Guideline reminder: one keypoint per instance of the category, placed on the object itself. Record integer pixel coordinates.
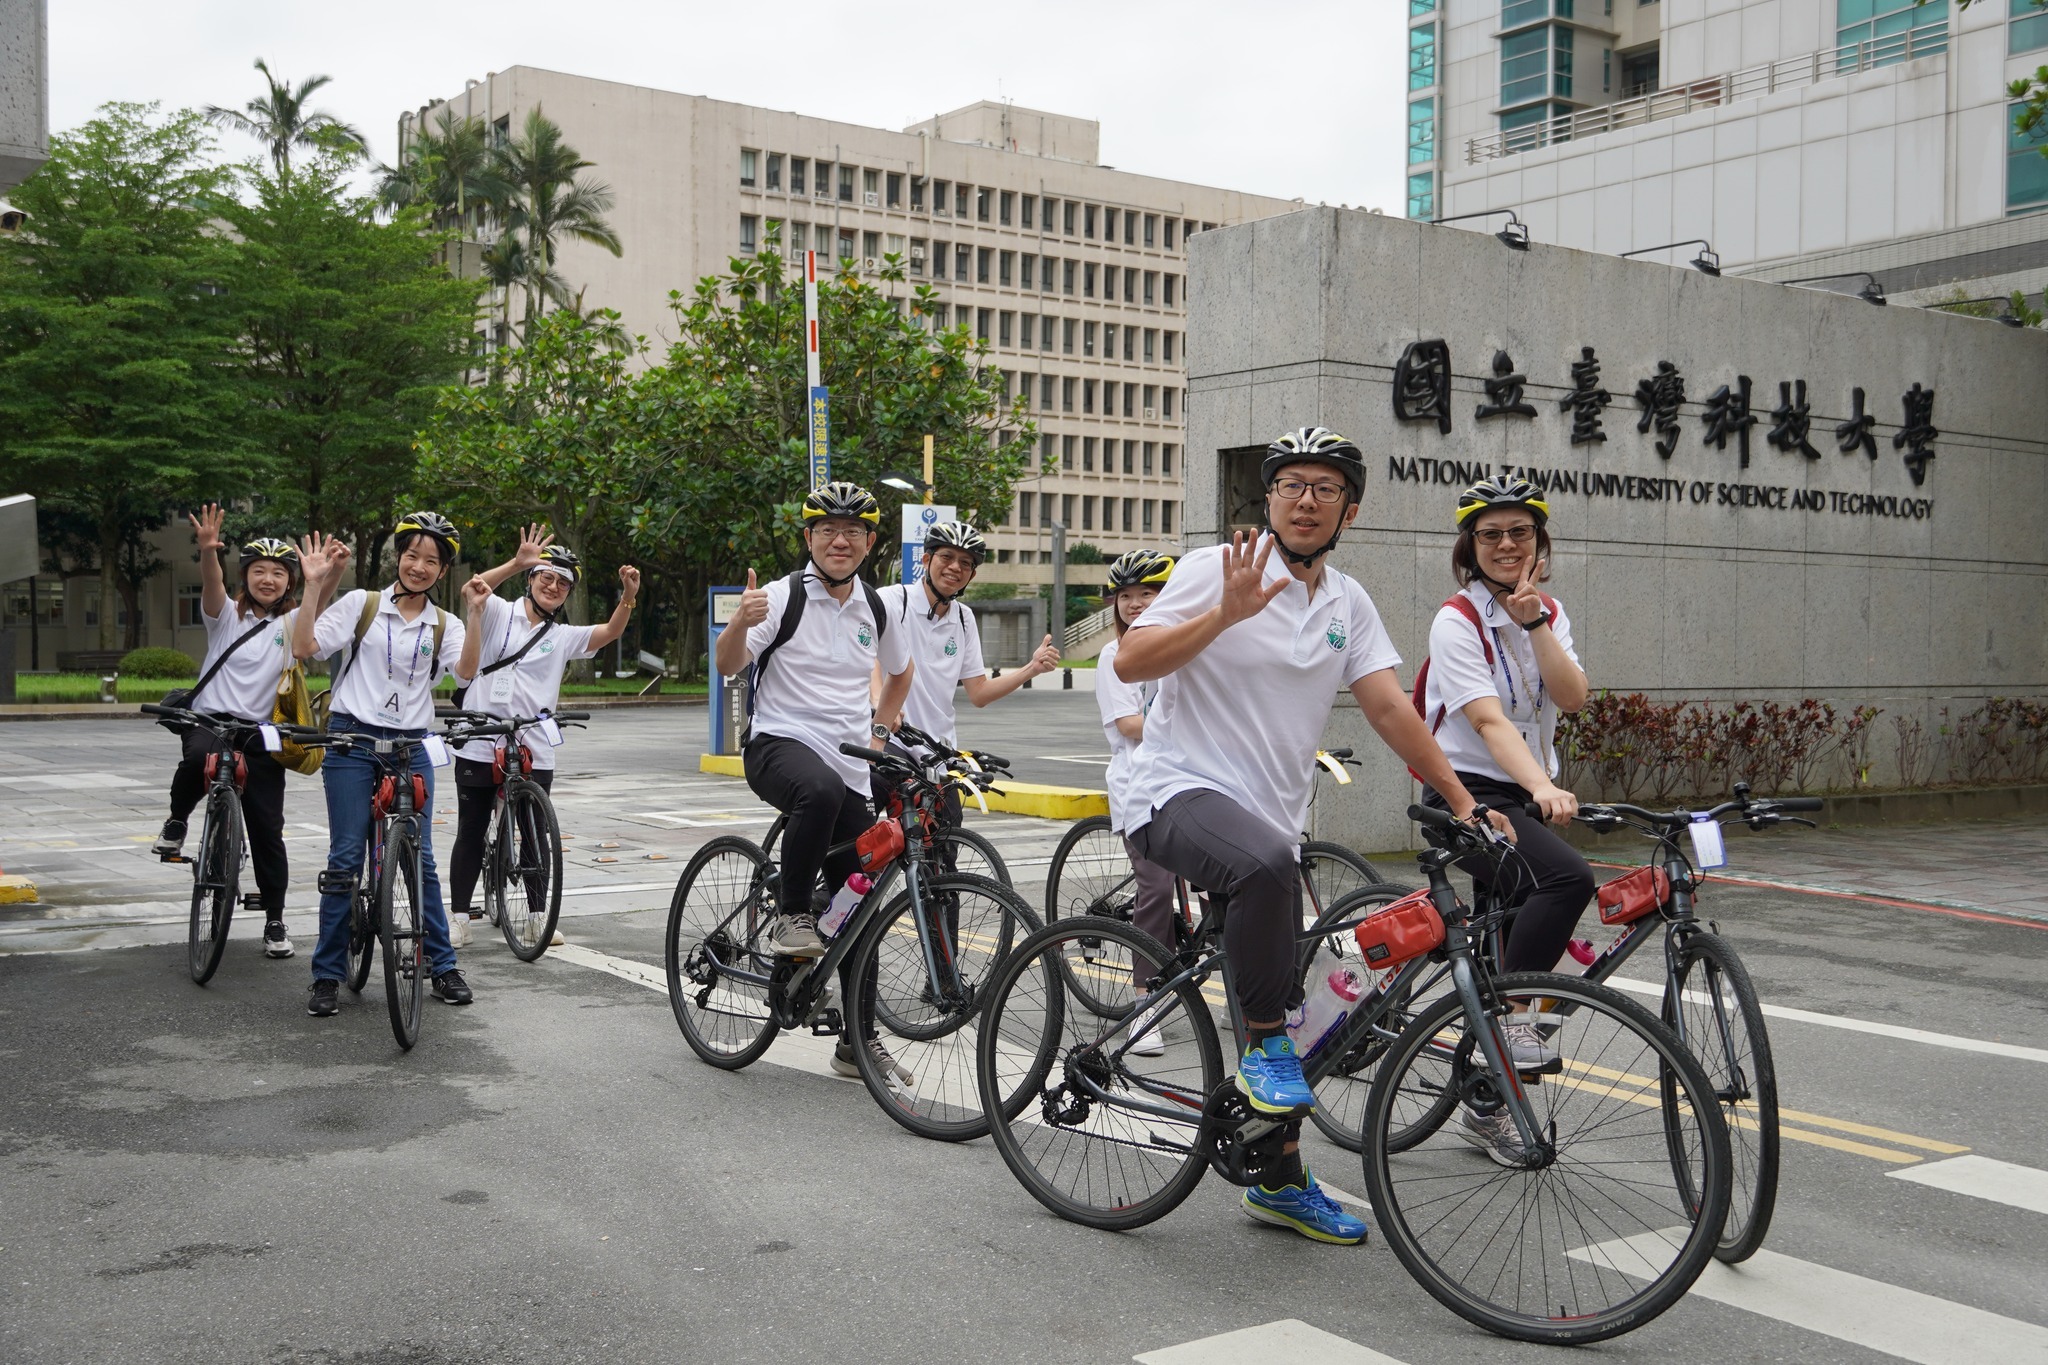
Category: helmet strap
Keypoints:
(1295, 557)
(940, 600)
(830, 581)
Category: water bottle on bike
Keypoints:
(1334, 989)
(843, 905)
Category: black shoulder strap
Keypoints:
(881, 616)
(265, 624)
(520, 653)
(785, 630)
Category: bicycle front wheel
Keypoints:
(528, 871)
(1593, 1237)
(717, 925)
(1105, 1135)
(1715, 1014)
(216, 883)
(953, 851)
(401, 932)
(918, 979)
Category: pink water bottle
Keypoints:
(842, 906)
(1334, 990)
(1581, 950)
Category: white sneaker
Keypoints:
(557, 940)
(1494, 1134)
(1148, 1034)
(458, 931)
(1529, 1051)
(796, 936)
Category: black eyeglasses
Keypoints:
(1517, 535)
(1292, 489)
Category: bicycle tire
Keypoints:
(1604, 1040)
(1100, 1167)
(721, 889)
(1329, 873)
(1736, 1061)
(926, 1029)
(968, 853)
(216, 884)
(362, 937)
(401, 933)
(1090, 874)
(529, 869)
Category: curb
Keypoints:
(16, 890)
(1016, 798)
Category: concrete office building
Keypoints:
(24, 89)
(1801, 138)
(1072, 271)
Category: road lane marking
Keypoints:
(1912, 1035)
(620, 889)
(1883, 1317)
(1286, 1342)
(1866, 1130)
(2002, 1182)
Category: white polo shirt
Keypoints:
(392, 684)
(815, 689)
(525, 688)
(1244, 717)
(1116, 699)
(246, 686)
(1459, 674)
(946, 650)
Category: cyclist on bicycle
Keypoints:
(822, 647)
(1134, 579)
(243, 667)
(945, 644)
(1501, 669)
(397, 644)
(1251, 646)
(516, 653)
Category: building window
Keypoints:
(1422, 195)
(846, 184)
(981, 259)
(963, 261)
(1130, 457)
(1066, 509)
(1109, 341)
(1067, 336)
(1167, 282)
(1088, 280)
(1026, 267)
(1088, 221)
(1045, 514)
(1130, 392)
(1145, 467)
(1128, 502)
(1030, 211)
(187, 607)
(940, 199)
(1166, 340)
(1088, 392)
(981, 324)
(1088, 341)
(1639, 73)
(747, 160)
(1151, 401)
(1422, 128)
(917, 194)
(938, 317)
(1166, 465)
(1166, 403)
(1066, 395)
(1003, 328)
(1004, 205)
(1024, 501)
(1003, 263)
(748, 225)
(797, 166)
(1422, 56)
(1109, 225)
(871, 246)
(1416, 7)
(1045, 452)
(1045, 274)
(771, 235)
(2029, 29)
(1045, 393)
(1874, 31)
(1045, 218)
(798, 236)
(1067, 217)
(1109, 283)
(960, 193)
(871, 188)
(1066, 277)
(775, 170)
(1151, 229)
(1166, 518)
(1109, 514)
(1025, 325)
(1066, 452)
(1088, 455)
(2026, 169)
(939, 253)
(1147, 527)
(1087, 514)
(895, 189)
(823, 180)
(1045, 333)
(1130, 287)
(1169, 232)
(1151, 343)
(1130, 228)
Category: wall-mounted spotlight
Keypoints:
(2007, 317)
(1871, 292)
(1708, 262)
(1514, 233)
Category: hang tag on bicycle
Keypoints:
(272, 740)
(437, 751)
(500, 691)
(550, 731)
(1707, 848)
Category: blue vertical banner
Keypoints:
(821, 436)
(917, 519)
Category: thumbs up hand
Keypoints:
(753, 608)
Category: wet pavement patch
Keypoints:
(181, 1258)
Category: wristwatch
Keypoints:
(1542, 619)
(879, 731)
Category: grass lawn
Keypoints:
(48, 689)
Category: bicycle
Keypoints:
(223, 844)
(918, 962)
(1594, 1216)
(385, 910)
(521, 876)
(954, 847)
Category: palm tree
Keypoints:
(449, 168)
(549, 202)
(280, 119)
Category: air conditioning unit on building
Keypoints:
(871, 198)
(1151, 414)
(917, 253)
(870, 264)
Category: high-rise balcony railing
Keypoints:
(1790, 74)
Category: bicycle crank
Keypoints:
(1241, 1144)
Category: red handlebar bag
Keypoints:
(1631, 896)
(879, 846)
(386, 798)
(1406, 929)
(241, 770)
(498, 763)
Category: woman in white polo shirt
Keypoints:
(395, 646)
(515, 654)
(248, 648)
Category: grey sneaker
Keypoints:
(845, 1065)
(1529, 1051)
(276, 943)
(1493, 1134)
(171, 842)
(796, 936)
(1148, 1034)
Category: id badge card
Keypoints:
(1707, 847)
(272, 740)
(1532, 740)
(437, 751)
(550, 731)
(500, 691)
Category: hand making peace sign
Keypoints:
(1525, 603)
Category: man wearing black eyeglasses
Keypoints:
(1250, 648)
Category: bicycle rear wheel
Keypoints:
(954, 851)
(1586, 1244)
(716, 923)
(528, 870)
(1329, 873)
(1079, 1141)
(1716, 1015)
(926, 1012)
(216, 883)
(401, 930)
(1091, 875)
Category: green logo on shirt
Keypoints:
(952, 646)
(1336, 635)
(864, 635)
(547, 646)
(426, 648)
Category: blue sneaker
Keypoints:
(1307, 1210)
(1271, 1079)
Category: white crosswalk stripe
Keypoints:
(1286, 1342)
(2002, 1182)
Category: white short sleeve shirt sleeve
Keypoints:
(1116, 699)
(1460, 673)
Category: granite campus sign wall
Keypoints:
(1758, 491)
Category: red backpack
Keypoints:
(1463, 606)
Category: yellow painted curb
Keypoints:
(17, 891)
(725, 765)
(1047, 803)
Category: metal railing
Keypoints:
(1086, 629)
(1672, 101)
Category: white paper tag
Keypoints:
(437, 752)
(500, 691)
(550, 731)
(1707, 848)
(272, 740)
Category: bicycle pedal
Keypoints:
(827, 1024)
(173, 858)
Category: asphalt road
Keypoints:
(551, 1175)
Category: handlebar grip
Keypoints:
(150, 708)
(571, 715)
(1430, 815)
(867, 755)
(1800, 803)
(1339, 754)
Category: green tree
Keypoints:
(449, 170)
(349, 327)
(548, 201)
(114, 401)
(280, 120)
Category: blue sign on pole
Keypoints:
(724, 601)
(821, 437)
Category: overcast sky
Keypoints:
(1280, 98)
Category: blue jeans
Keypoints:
(351, 780)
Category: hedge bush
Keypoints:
(155, 661)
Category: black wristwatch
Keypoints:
(879, 731)
(1542, 619)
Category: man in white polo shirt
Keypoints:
(1251, 642)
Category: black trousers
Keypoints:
(1550, 878)
(822, 811)
(475, 794)
(262, 808)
